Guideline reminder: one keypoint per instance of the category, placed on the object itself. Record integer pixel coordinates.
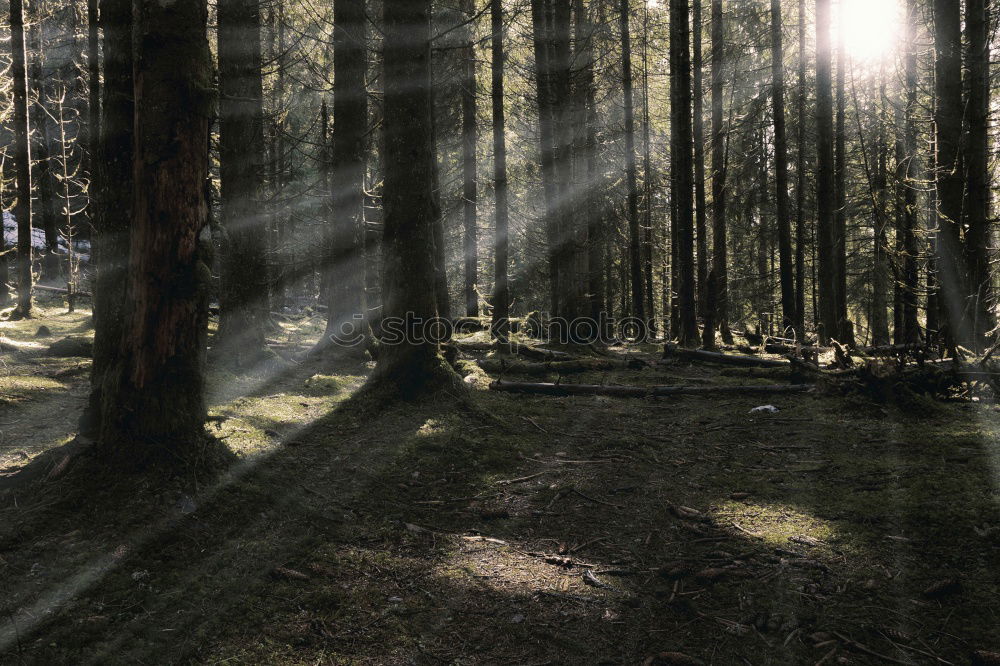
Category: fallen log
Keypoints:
(533, 353)
(61, 290)
(671, 350)
(641, 391)
(499, 365)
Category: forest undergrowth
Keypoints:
(502, 528)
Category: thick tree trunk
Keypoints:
(343, 267)
(156, 384)
(949, 173)
(787, 280)
(826, 240)
(700, 206)
(631, 186)
(93, 128)
(22, 160)
(500, 300)
(977, 203)
(411, 363)
(596, 237)
(682, 166)
(243, 295)
(541, 34)
(469, 189)
(111, 198)
(909, 170)
(880, 218)
(571, 287)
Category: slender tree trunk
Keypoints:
(826, 196)
(718, 316)
(501, 289)
(910, 172)
(949, 173)
(845, 331)
(22, 160)
(343, 261)
(157, 380)
(782, 206)
(46, 212)
(700, 206)
(647, 177)
(412, 363)
(800, 178)
(631, 185)
(469, 193)
(561, 87)
(880, 215)
(243, 294)
(543, 90)
(977, 206)
(682, 165)
(93, 130)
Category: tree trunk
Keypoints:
(410, 363)
(469, 193)
(500, 300)
(45, 188)
(718, 277)
(788, 313)
(590, 206)
(800, 178)
(343, 267)
(243, 294)
(826, 239)
(977, 206)
(111, 198)
(631, 186)
(22, 160)
(949, 173)
(909, 168)
(700, 206)
(682, 166)
(93, 128)
(880, 216)
(541, 35)
(845, 332)
(156, 384)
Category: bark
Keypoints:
(541, 35)
(596, 236)
(411, 364)
(718, 281)
(782, 206)
(911, 175)
(948, 170)
(700, 206)
(571, 288)
(682, 166)
(22, 160)
(631, 186)
(800, 177)
(880, 263)
(469, 189)
(500, 326)
(844, 329)
(826, 240)
(93, 125)
(343, 269)
(45, 211)
(977, 206)
(111, 199)
(156, 383)
(243, 294)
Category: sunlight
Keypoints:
(872, 28)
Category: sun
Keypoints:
(871, 27)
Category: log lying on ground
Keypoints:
(533, 353)
(671, 350)
(642, 391)
(496, 366)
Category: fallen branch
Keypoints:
(641, 391)
(499, 365)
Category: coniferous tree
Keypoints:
(500, 299)
(22, 160)
(782, 207)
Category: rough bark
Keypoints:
(700, 205)
(682, 166)
(825, 187)
(631, 185)
(156, 383)
(800, 180)
(243, 294)
(782, 206)
(22, 160)
(844, 329)
(412, 363)
(718, 277)
(45, 213)
(469, 188)
(500, 300)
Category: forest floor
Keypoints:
(502, 529)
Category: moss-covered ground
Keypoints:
(502, 529)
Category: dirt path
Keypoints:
(526, 530)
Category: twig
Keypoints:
(593, 499)
(867, 650)
(521, 479)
